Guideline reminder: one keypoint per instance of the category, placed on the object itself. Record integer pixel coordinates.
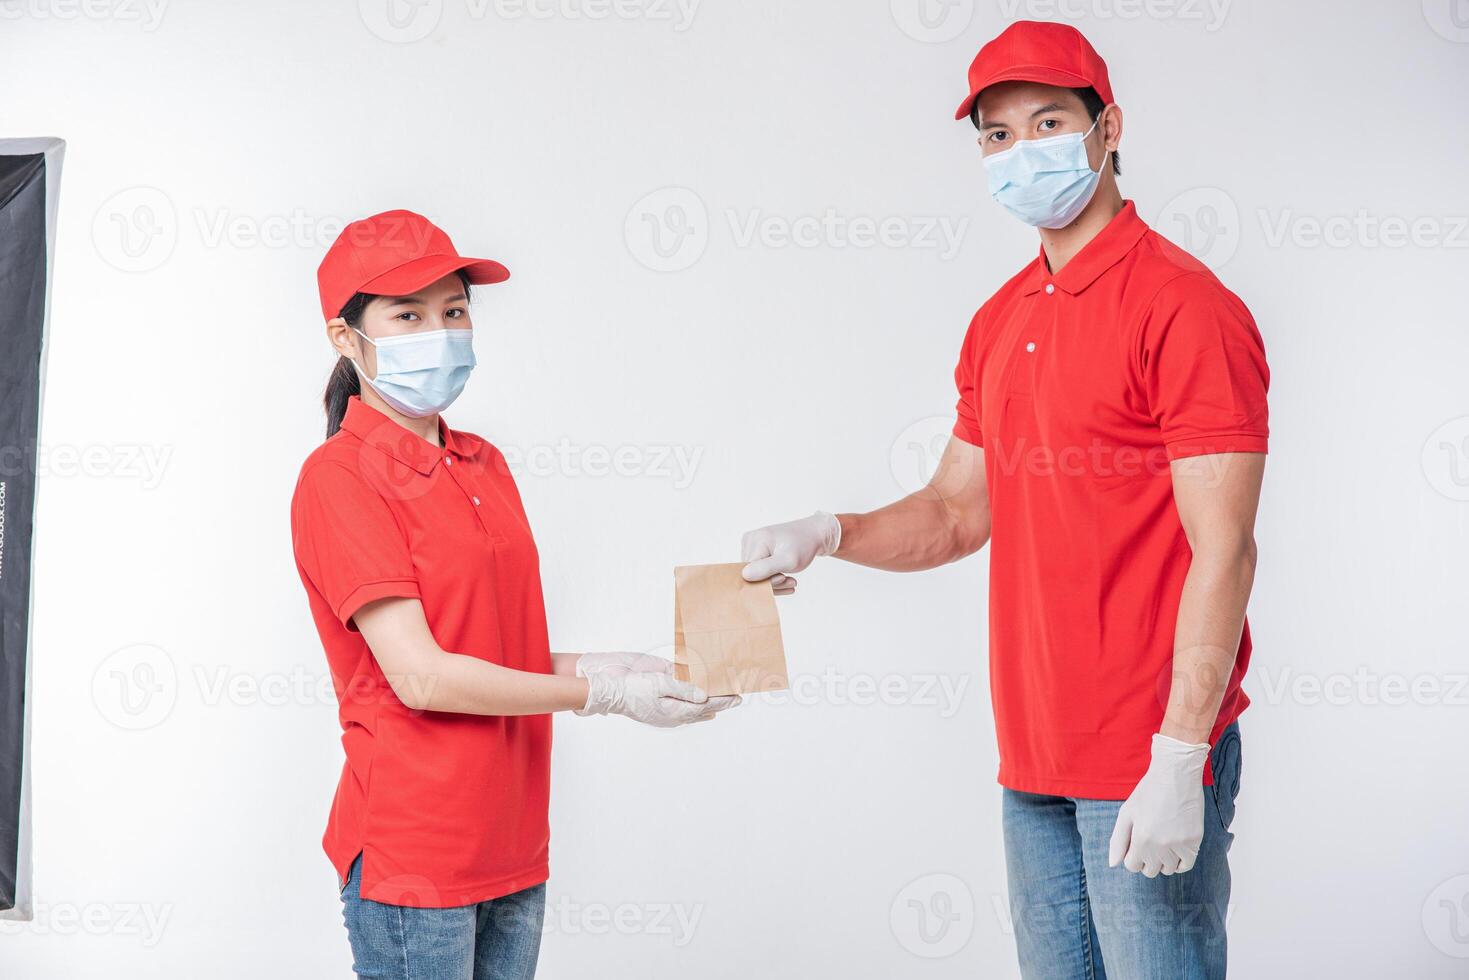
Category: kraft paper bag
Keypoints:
(726, 632)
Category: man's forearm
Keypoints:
(1211, 616)
(921, 531)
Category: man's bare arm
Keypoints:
(947, 520)
(1217, 497)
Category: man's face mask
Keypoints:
(1045, 183)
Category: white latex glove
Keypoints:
(653, 698)
(1161, 825)
(779, 551)
(621, 663)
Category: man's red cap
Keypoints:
(393, 254)
(1037, 51)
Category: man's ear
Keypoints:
(1112, 126)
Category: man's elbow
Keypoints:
(1231, 550)
(968, 532)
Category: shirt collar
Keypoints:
(1096, 256)
(382, 433)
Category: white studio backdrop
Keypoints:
(746, 239)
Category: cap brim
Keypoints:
(414, 275)
(1022, 73)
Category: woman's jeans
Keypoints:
(1077, 919)
(494, 940)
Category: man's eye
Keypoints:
(997, 137)
(1049, 124)
(455, 313)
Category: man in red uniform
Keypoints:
(1109, 447)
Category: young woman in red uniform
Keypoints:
(423, 580)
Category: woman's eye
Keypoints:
(409, 316)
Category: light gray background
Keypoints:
(615, 157)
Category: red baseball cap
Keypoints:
(1037, 51)
(393, 254)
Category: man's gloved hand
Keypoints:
(1161, 825)
(653, 698)
(779, 551)
(621, 663)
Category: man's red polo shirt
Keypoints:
(1081, 387)
(447, 809)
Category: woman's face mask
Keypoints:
(420, 374)
(1047, 182)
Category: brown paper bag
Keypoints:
(726, 632)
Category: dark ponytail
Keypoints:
(344, 383)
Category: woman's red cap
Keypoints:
(393, 254)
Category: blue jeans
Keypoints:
(1077, 919)
(495, 940)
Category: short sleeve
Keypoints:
(1203, 370)
(347, 542)
(966, 380)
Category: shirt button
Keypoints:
(448, 460)
(476, 500)
(1050, 288)
(1030, 347)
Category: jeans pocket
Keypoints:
(1226, 763)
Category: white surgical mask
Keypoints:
(1047, 182)
(420, 374)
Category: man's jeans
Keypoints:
(1077, 919)
(495, 940)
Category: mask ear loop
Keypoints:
(1105, 152)
(361, 372)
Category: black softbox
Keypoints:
(30, 170)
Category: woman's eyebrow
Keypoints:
(414, 300)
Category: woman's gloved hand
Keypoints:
(621, 663)
(651, 697)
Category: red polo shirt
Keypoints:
(447, 809)
(1081, 387)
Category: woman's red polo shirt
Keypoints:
(447, 809)
(1082, 387)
